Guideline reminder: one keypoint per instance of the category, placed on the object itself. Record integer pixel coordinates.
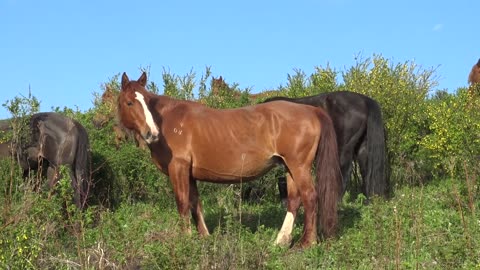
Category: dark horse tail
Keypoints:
(82, 167)
(376, 182)
(329, 176)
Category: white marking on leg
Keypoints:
(148, 114)
(284, 237)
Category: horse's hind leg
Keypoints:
(302, 177)
(78, 196)
(362, 158)
(284, 237)
(300, 190)
(196, 209)
(346, 158)
(308, 194)
(52, 176)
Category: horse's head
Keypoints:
(106, 109)
(134, 109)
(218, 85)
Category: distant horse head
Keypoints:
(219, 85)
(474, 76)
(132, 108)
(108, 101)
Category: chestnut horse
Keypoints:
(189, 142)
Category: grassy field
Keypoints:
(431, 220)
(432, 226)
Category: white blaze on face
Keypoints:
(148, 114)
(284, 237)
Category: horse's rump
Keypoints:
(360, 135)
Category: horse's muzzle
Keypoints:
(149, 137)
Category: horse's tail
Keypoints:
(329, 176)
(82, 167)
(376, 182)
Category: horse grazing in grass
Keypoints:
(360, 136)
(109, 112)
(58, 140)
(55, 140)
(189, 142)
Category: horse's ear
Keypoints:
(125, 80)
(143, 79)
(478, 63)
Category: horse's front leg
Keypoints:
(179, 173)
(196, 209)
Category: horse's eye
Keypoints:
(129, 103)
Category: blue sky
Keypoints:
(64, 50)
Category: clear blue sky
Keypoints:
(64, 50)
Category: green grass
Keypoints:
(428, 227)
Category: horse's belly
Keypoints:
(233, 172)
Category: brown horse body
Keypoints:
(189, 141)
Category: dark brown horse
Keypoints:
(108, 112)
(189, 142)
(55, 140)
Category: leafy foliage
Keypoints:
(131, 222)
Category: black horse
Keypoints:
(57, 140)
(360, 136)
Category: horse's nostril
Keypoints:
(148, 135)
